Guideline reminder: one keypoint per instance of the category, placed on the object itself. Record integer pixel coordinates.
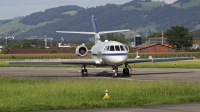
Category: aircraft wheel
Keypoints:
(82, 73)
(127, 72)
(85, 72)
(115, 70)
(124, 72)
(114, 75)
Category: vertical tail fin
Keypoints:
(96, 36)
(94, 24)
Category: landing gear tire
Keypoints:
(114, 75)
(84, 73)
(126, 72)
(115, 70)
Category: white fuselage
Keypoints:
(109, 53)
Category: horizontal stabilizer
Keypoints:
(93, 33)
(76, 32)
(114, 31)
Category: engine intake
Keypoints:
(81, 51)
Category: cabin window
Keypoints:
(117, 48)
(112, 48)
(122, 48)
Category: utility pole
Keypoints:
(45, 40)
(7, 38)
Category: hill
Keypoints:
(141, 17)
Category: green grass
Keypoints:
(145, 5)
(192, 3)
(150, 5)
(14, 24)
(73, 13)
(23, 95)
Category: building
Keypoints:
(1, 47)
(196, 44)
(154, 48)
(158, 40)
(69, 44)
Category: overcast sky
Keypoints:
(14, 8)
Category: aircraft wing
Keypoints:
(52, 62)
(158, 59)
(79, 62)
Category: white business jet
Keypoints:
(108, 53)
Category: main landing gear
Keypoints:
(126, 70)
(84, 71)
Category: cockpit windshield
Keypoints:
(112, 48)
(115, 48)
(122, 48)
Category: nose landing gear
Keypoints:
(115, 71)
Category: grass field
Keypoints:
(21, 94)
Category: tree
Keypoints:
(53, 51)
(155, 35)
(179, 36)
(15, 45)
(5, 50)
(116, 37)
(26, 45)
(89, 45)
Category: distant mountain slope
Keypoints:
(140, 17)
(49, 15)
(196, 33)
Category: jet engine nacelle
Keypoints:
(81, 51)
